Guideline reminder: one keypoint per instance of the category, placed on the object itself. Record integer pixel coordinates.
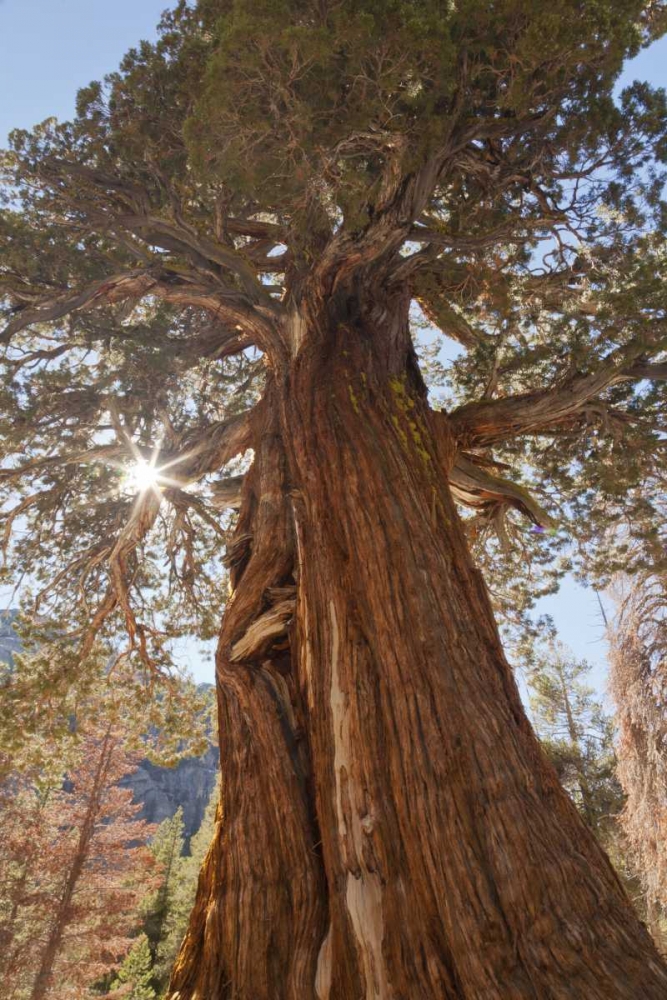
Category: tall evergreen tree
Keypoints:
(167, 849)
(166, 911)
(579, 738)
(577, 735)
(219, 255)
(183, 895)
(134, 980)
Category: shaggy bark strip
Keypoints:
(261, 904)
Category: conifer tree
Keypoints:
(51, 708)
(74, 888)
(167, 849)
(26, 838)
(166, 912)
(577, 735)
(184, 892)
(136, 973)
(219, 257)
(50, 698)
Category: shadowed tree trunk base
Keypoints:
(389, 827)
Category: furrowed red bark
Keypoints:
(261, 906)
(390, 828)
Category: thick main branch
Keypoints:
(491, 422)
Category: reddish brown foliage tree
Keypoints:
(73, 868)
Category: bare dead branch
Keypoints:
(227, 492)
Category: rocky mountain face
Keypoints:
(9, 641)
(161, 790)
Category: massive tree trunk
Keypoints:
(389, 828)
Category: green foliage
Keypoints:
(473, 155)
(300, 94)
(580, 740)
(183, 893)
(136, 973)
(167, 847)
(50, 698)
(577, 736)
(166, 912)
(295, 82)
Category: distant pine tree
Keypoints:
(577, 736)
(182, 898)
(579, 739)
(167, 850)
(136, 972)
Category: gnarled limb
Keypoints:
(493, 421)
(206, 449)
(112, 289)
(475, 487)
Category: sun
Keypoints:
(142, 476)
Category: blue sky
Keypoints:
(49, 48)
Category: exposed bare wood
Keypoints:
(652, 371)
(263, 631)
(477, 488)
(227, 492)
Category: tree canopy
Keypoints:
(474, 157)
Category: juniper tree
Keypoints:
(218, 258)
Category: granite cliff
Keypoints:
(161, 790)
